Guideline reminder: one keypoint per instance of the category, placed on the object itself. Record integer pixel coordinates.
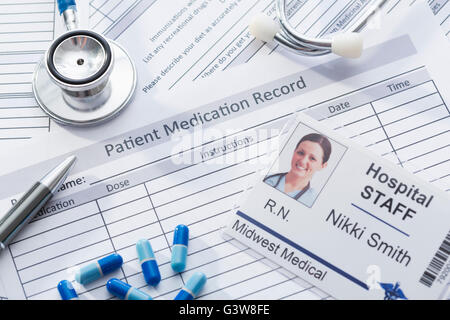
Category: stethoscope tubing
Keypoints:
(308, 46)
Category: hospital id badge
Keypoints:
(346, 220)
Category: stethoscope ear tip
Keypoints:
(263, 28)
(347, 45)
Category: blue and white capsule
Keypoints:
(98, 269)
(66, 290)
(148, 262)
(192, 287)
(124, 291)
(180, 248)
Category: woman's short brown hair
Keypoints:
(322, 141)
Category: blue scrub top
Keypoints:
(306, 198)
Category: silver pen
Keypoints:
(34, 199)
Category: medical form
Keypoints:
(144, 180)
(179, 42)
(27, 29)
(441, 9)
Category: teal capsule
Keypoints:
(148, 262)
(124, 291)
(192, 287)
(98, 269)
(179, 248)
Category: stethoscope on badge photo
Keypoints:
(85, 79)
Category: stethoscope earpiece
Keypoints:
(347, 45)
(263, 28)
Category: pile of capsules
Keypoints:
(123, 290)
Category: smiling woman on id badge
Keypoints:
(310, 155)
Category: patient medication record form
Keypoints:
(171, 42)
(393, 99)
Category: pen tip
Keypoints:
(71, 159)
(56, 176)
(67, 163)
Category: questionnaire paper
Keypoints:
(172, 43)
(27, 28)
(144, 180)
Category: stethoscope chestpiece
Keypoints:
(80, 63)
(84, 79)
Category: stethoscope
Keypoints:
(298, 194)
(348, 44)
(83, 79)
